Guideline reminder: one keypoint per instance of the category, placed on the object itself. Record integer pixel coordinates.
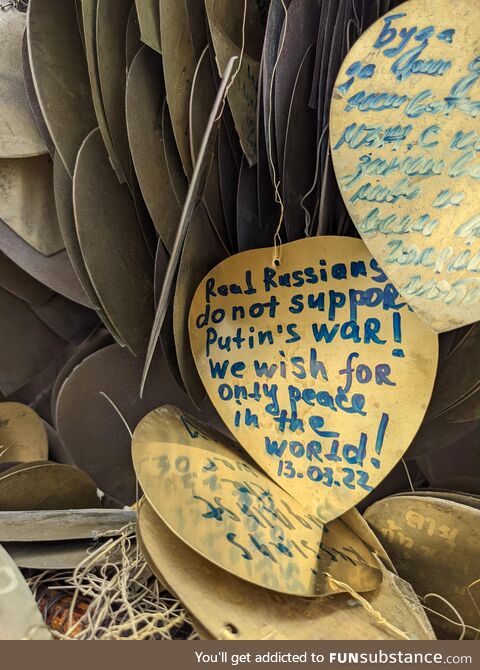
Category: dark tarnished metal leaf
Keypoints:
(19, 360)
(36, 392)
(43, 485)
(56, 449)
(228, 173)
(27, 204)
(202, 250)
(54, 271)
(197, 21)
(89, 14)
(63, 187)
(179, 63)
(73, 322)
(111, 33)
(273, 33)
(22, 434)
(300, 150)
(115, 254)
(300, 31)
(468, 409)
(19, 136)
(370, 13)
(172, 157)
(457, 454)
(20, 284)
(98, 340)
(145, 222)
(145, 99)
(326, 44)
(400, 479)
(248, 223)
(90, 427)
(440, 433)
(459, 377)
(332, 216)
(33, 99)
(268, 208)
(54, 45)
(461, 483)
(78, 9)
(322, 25)
(4, 467)
(133, 42)
(149, 19)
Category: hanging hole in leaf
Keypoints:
(230, 628)
(276, 262)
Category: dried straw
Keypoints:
(111, 595)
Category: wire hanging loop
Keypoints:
(277, 240)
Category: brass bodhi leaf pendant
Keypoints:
(404, 138)
(316, 364)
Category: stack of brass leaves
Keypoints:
(143, 143)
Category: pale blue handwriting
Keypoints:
(469, 231)
(457, 99)
(378, 193)
(466, 165)
(375, 102)
(447, 198)
(466, 83)
(345, 87)
(466, 291)
(412, 166)
(441, 260)
(424, 139)
(414, 107)
(376, 137)
(407, 61)
(360, 70)
(356, 69)
(446, 35)
(465, 141)
(411, 63)
(394, 224)
(423, 102)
